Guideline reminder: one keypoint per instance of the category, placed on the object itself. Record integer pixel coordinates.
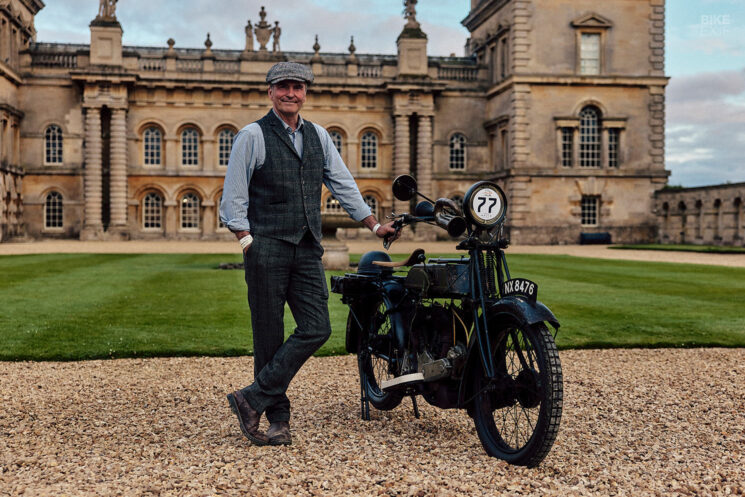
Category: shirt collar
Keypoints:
(286, 126)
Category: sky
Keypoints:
(704, 54)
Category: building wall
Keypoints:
(509, 98)
(712, 215)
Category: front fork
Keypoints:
(478, 291)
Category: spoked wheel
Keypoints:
(376, 358)
(517, 414)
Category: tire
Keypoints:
(375, 353)
(517, 418)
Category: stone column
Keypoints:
(92, 225)
(118, 187)
(401, 156)
(424, 171)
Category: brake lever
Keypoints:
(388, 239)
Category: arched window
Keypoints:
(190, 211)
(457, 152)
(152, 150)
(190, 147)
(372, 202)
(337, 139)
(589, 137)
(53, 210)
(53, 145)
(369, 150)
(332, 206)
(152, 211)
(224, 146)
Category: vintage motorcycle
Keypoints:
(460, 332)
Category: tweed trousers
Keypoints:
(279, 272)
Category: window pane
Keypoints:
(589, 137)
(458, 152)
(613, 139)
(372, 202)
(53, 211)
(190, 211)
(332, 205)
(152, 146)
(337, 139)
(225, 145)
(190, 147)
(369, 150)
(567, 146)
(53, 145)
(152, 211)
(590, 205)
(590, 53)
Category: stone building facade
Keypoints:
(562, 103)
(710, 215)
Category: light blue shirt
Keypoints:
(249, 154)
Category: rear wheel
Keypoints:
(517, 414)
(376, 358)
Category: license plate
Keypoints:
(520, 287)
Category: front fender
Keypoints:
(524, 312)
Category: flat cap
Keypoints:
(289, 70)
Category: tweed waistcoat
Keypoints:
(285, 192)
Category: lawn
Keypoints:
(83, 306)
(711, 249)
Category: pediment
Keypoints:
(592, 20)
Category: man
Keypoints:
(272, 202)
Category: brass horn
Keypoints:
(448, 215)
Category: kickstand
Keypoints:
(364, 401)
(416, 407)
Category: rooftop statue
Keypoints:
(107, 10)
(410, 13)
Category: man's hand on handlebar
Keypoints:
(389, 229)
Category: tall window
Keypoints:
(567, 147)
(614, 135)
(589, 137)
(220, 224)
(152, 211)
(372, 202)
(332, 206)
(153, 146)
(53, 145)
(224, 146)
(337, 139)
(190, 211)
(504, 58)
(53, 210)
(590, 207)
(458, 152)
(190, 147)
(369, 150)
(589, 53)
(504, 147)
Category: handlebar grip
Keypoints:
(388, 239)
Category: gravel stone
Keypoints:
(636, 422)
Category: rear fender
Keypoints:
(392, 293)
(512, 308)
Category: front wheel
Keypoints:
(517, 414)
(376, 358)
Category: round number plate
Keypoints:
(486, 204)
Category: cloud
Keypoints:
(705, 136)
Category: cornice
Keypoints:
(481, 13)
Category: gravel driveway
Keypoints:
(636, 422)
